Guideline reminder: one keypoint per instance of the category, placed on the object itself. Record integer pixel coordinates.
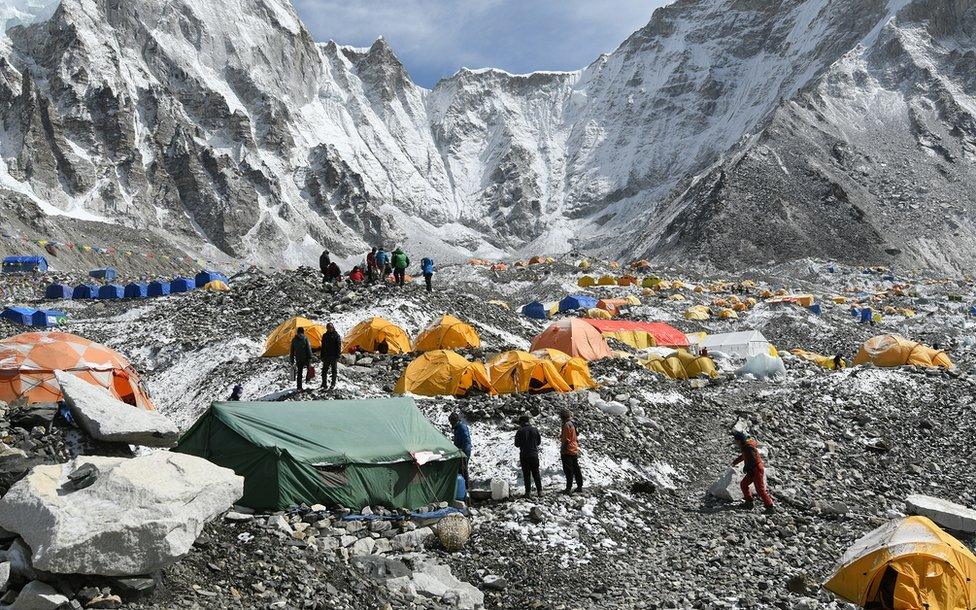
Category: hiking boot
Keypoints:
(748, 504)
(567, 492)
(771, 509)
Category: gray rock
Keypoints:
(106, 418)
(140, 515)
(279, 523)
(435, 580)
(943, 512)
(237, 517)
(363, 546)
(413, 540)
(4, 575)
(38, 596)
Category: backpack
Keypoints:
(400, 260)
(427, 265)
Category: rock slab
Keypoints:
(107, 418)
(38, 596)
(140, 515)
(943, 512)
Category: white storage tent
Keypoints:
(744, 344)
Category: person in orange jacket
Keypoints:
(569, 453)
(754, 468)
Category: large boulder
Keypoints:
(37, 595)
(107, 418)
(435, 580)
(943, 512)
(131, 516)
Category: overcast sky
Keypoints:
(434, 38)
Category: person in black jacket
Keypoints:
(528, 439)
(324, 261)
(300, 355)
(331, 350)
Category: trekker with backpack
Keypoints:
(300, 356)
(427, 268)
(383, 264)
(371, 266)
(754, 469)
(400, 262)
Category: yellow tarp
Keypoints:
(598, 314)
(447, 333)
(826, 362)
(517, 371)
(895, 350)
(372, 335)
(907, 564)
(575, 371)
(278, 342)
(682, 365)
(443, 373)
(216, 286)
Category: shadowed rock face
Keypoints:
(732, 131)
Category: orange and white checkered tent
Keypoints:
(28, 362)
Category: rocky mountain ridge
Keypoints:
(724, 130)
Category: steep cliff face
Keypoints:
(872, 162)
(223, 123)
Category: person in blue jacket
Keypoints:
(427, 268)
(383, 264)
(462, 440)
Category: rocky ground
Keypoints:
(845, 448)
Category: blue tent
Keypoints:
(85, 291)
(867, 314)
(972, 310)
(855, 312)
(58, 291)
(111, 291)
(24, 264)
(816, 308)
(577, 301)
(158, 289)
(44, 318)
(137, 290)
(535, 310)
(108, 274)
(182, 284)
(17, 315)
(205, 277)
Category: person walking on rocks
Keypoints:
(462, 440)
(427, 268)
(300, 356)
(371, 268)
(332, 273)
(569, 452)
(754, 469)
(331, 351)
(400, 263)
(324, 261)
(528, 439)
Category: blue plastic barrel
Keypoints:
(460, 490)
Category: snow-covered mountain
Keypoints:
(724, 129)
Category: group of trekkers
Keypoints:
(528, 439)
(301, 357)
(380, 265)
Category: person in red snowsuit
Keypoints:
(754, 468)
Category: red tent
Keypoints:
(664, 334)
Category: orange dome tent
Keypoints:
(895, 350)
(376, 335)
(28, 362)
(447, 332)
(278, 342)
(574, 337)
(575, 371)
(515, 372)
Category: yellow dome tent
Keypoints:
(907, 564)
(587, 281)
(443, 373)
(574, 370)
(607, 280)
(596, 313)
(517, 371)
(895, 350)
(651, 282)
(682, 364)
(697, 312)
(584, 265)
(278, 342)
(627, 280)
(728, 314)
(447, 333)
(376, 335)
(826, 362)
(216, 286)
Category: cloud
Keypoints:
(436, 37)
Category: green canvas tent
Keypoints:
(349, 453)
